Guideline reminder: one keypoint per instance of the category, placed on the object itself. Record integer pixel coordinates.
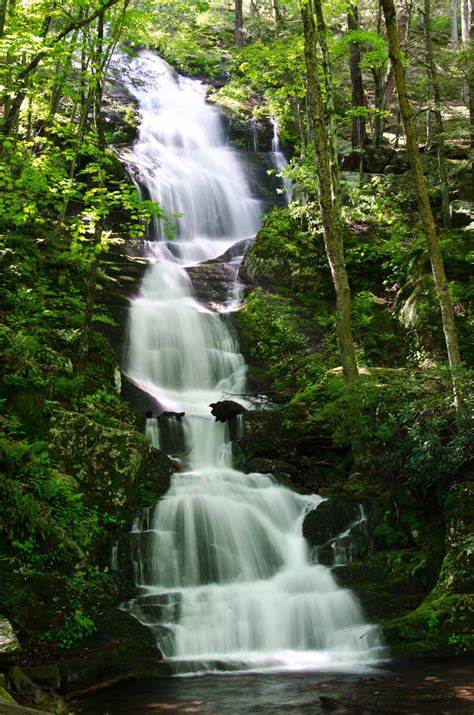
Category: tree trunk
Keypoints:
(358, 135)
(295, 109)
(239, 24)
(402, 18)
(98, 90)
(435, 91)
(278, 15)
(434, 249)
(378, 101)
(3, 16)
(316, 9)
(329, 206)
(454, 24)
(465, 22)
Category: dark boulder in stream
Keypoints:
(212, 281)
(121, 649)
(329, 519)
(226, 410)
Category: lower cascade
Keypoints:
(224, 574)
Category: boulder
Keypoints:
(121, 649)
(457, 570)
(5, 697)
(47, 676)
(9, 645)
(330, 519)
(140, 400)
(28, 692)
(462, 213)
(283, 471)
(116, 467)
(212, 281)
(226, 410)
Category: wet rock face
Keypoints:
(9, 645)
(212, 281)
(329, 519)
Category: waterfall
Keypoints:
(279, 160)
(224, 573)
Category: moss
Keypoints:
(441, 625)
(385, 582)
(114, 465)
(5, 697)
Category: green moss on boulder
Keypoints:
(115, 466)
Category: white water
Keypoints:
(223, 568)
(279, 161)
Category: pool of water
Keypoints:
(431, 687)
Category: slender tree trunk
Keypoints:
(434, 249)
(465, 21)
(358, 135)
(332, 225)
(467, 30)
(435, 91)
(378, 75)
(402, 16)
(57, 91)
(378, 101)
(3, 16)
(329, 105)
(295, 109)
(239, 24)
(84, 344)
(278, 15)
(454, 24)
(98, 89)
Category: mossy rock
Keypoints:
(285, 256)
(5, 697)
(114, 465)
(457, 570)
(29, 693)
(439, 626)
(281, 470)
(122, 648)
(385, 583)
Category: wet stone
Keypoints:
(9, 645)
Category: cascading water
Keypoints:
(279, 160)
(223, 569)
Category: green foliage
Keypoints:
(397, 426)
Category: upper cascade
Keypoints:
(223, 569)
(184, 161)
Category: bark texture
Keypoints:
(332, 227)
(358, 134)
(436, 95)
(239, 24)
(434, 249)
